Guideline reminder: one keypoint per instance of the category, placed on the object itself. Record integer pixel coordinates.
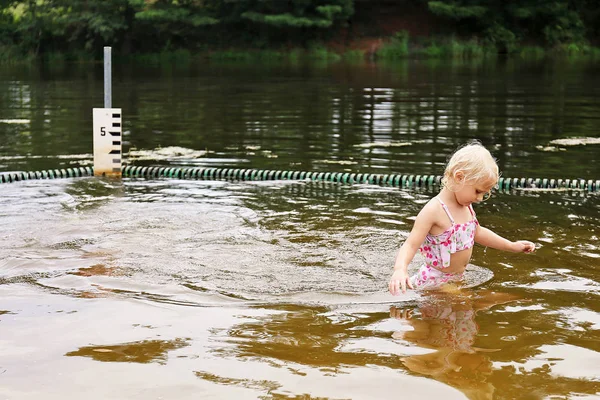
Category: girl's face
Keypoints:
(473, 191)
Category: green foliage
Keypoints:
(55, 58)
(287, 20)
(502, 37)
(564, 28)
(396, 48)
(78, 29)
(165, 25)
(300, 14)
(504, 22)
(456, 49)
(262, 56)
(532, 52)
(354, 55)
(432, 50)
(330, 11)
(577, 50)
(178, 16)
(474, 49)
(10, 55)
(455, 11)
(295, 55)
(320, 52)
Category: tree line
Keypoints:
(144, 26)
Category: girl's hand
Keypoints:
(523, 246)
(399, 280)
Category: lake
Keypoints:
(170, 288)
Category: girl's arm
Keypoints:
(487, 238)
(421, 228)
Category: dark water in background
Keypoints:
(304, 115)
(181, 289)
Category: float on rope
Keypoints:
(349, 178)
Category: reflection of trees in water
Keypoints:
(58, 104)
(302, 113)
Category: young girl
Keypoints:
(446, 228)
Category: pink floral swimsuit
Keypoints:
(437, 250)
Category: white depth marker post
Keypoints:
(107, 129)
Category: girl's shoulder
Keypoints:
(433, 211)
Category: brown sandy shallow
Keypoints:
(57, 347)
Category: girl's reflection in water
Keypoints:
(447, 325)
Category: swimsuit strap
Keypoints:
(472, 212)
(445, 207)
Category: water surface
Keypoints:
(185, 289)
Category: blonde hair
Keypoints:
(474, 161)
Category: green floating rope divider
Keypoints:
(46, 174)
(394, 180)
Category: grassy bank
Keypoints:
(397, 47)
(400, 47)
